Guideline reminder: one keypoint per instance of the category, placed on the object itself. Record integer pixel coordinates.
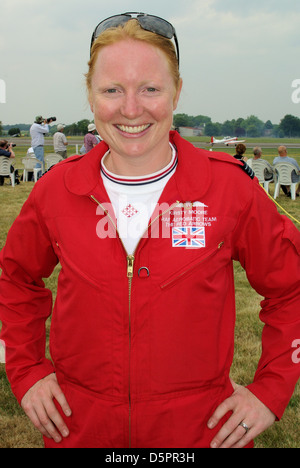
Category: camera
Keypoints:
(13, 145)
(51, 118)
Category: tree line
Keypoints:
(75, 129)
(252, 126)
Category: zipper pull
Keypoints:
(130, 262)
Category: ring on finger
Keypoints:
(244, 425)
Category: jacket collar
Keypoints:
(193, 174)
(84, 174)
(192, 177)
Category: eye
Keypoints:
(151, 90)
(111, 91)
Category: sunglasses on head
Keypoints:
(151, 23)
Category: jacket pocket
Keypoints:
(67, 262)
(97, 421)
(189, 268)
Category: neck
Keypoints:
(138, 165)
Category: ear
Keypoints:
(177, 95)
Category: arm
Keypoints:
(272, 264)
(268, 247)
(12, 154)
(5, 153)
(43, 128)
(95, 141)
(25, 305)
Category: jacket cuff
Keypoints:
(37, 373)
(267, 394)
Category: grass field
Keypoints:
(16, 431)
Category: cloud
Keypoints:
(45, 48)
(237, 58)
(243, 60)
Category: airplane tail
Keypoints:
(212, 140)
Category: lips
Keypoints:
(133, 130)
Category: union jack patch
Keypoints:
(188, 237)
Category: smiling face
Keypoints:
(133, 96)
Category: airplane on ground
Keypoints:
(226, 140)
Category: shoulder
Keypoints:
(59, 169)
(65, 163)
(52, 183)
(264, 161)
(78, 174)
(292, 161)
(228, 159)
(225, 162)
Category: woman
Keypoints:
(240, 151)
(142, 329)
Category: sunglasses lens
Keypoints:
(157, 26)
(112, 22)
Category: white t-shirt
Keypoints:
(58, 141)
(134, 199)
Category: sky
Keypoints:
(238, 57)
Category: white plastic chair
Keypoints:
(5, 164)
(2, 352)
(30, 166)
(284, 177)
(52, 159)
(259, 166)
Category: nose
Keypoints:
(131, 107)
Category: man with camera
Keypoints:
(7, 152)
(38, 131)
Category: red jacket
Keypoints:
(143, 346)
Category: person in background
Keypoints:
(90, 140)
(257, 156)
(240, 151)
(60, 141)
(283, 157)
(7, 151)
(38, 130)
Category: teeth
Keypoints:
(137, 129)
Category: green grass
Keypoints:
(18, 432)
(21, 151)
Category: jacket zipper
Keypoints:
(130, 267)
